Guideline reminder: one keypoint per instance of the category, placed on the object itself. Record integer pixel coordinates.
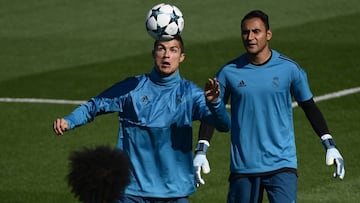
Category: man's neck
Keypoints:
(260, 58)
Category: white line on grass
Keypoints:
(62, 101)
(44, 101)
(334, 95)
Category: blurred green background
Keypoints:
(74, 49)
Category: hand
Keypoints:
(200, 162)
(60, 126)
(333, 156)
(212, 89)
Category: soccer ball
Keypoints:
(164, 22)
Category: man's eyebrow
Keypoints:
(247, 30)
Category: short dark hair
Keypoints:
(98, 175)
(257, 14)
(176, 37)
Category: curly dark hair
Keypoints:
(99, 174)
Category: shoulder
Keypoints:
(282, 58)
(123, 87)
(233, 66)
(286, 65)
(189, 88)
(235, 63)
(238, 62)
(188, 83)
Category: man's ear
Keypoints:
(268, 35)
(182, 57)
(153, 53)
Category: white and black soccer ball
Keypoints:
(164, 22)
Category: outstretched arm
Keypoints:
(86, 113)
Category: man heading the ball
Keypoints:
(156, 111)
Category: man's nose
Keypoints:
(166, 53)
(251, 36)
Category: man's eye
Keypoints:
(174, 50)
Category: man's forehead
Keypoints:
(171, 43)
(253, 23)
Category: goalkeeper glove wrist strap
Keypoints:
(202, 147)
(327, 141)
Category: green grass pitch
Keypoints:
(75, 49)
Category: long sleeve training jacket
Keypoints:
(155, 129)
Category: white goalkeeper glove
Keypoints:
(333, 156)
(200, 162)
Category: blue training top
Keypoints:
(262, 132)
(155, 116)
